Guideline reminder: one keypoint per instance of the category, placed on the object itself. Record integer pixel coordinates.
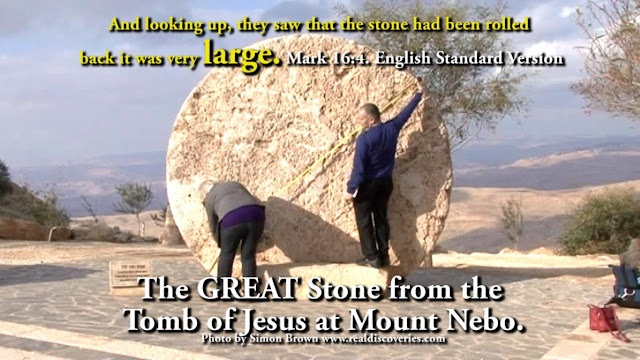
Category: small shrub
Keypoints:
(512, 220)
(89, 208)
(603, 223)
(43, 207)
(5, 180)
(160, 217)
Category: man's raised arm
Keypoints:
(404, 115)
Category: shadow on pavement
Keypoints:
(26, 274)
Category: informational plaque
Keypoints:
(124, 274)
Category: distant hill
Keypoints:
(96, 180)
(542, 165)
(474, 221)
(493, 153)
(556, 171)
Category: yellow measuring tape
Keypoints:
(345, 140)
(213, 264)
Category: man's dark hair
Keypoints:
(372, 110)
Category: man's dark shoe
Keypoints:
(375, 263)
(384, 260)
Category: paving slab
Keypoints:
(73, 297)
(28, 348)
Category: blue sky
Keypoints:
(52, 110)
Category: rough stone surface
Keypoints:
(263, 130)
(143, 239)
(123, 237)
(170, 235)
(93, 231)
(17, 229)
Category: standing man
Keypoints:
(235, 217)
(371, 184)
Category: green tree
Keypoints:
(5, 180)
(134, 198)
(612, 57)
(470, 98)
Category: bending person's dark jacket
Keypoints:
(376, 148)
(223, 198)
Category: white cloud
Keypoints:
(45, 16)
(567, 11)
(557, 76)
(97, 110)
(553, 47)
(100, 110)
(555, 33)
(90, 110)
(548, 22)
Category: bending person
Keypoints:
(236, 219)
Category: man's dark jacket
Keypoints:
(376, 148)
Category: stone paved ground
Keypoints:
(73, 296)
(615, 350)
(56, 350)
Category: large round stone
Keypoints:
(263, 130)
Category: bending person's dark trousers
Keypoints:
(248, 234)
(370, 205)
